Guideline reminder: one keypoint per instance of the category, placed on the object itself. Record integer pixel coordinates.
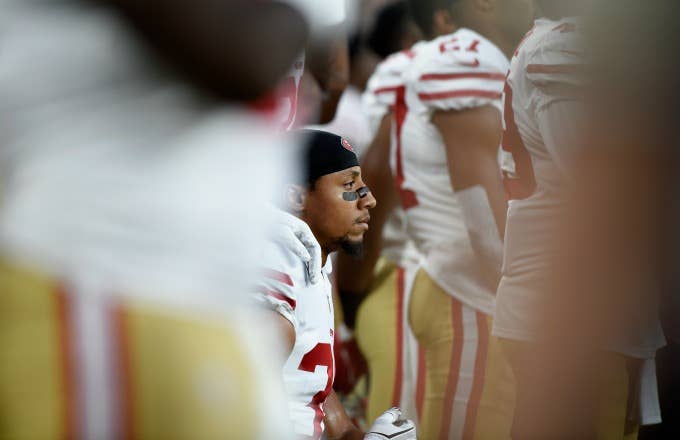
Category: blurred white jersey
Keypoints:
(309, 371)
(541, 121)
(378, 100)
(125, 183)
(460, 71)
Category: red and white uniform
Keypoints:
(456, 72)
(378, 100)
(541, 118)
(308, 372)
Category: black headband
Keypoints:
(324, 153)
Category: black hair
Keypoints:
(423, 11)
(389, 28)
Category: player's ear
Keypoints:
(296, 197)
(442, 22)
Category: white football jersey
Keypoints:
(309, 371)
(455, 72)
(378, 99)
(542, 125)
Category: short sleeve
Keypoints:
(460, 72)
(557, 67)
(275, 286)
(382, 87)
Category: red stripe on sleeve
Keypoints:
(381, 90)
(463, 75)
(278, 276)
(553, 68)
(280, 296)
(459, 94)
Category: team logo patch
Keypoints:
(347, 145)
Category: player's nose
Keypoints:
(368, 202)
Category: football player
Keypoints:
(121, 310)
(385, 272)
(445, 163)
(544, 124)
(331, 200)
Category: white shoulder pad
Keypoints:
(459, 71)
(282, 273)
(558, 61)
(380, 94)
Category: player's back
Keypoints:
(548, 73)
(456, 72)
(544, 70)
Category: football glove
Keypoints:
(391, 425)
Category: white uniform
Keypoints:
(541, 113)
(378, 100)
(309, 371)
(380, 97)
(122, 183)
(455, 72)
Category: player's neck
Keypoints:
(556, 10)
(490, 32)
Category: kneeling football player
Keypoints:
(331, 204)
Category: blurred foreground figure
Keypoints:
(130, 223)
(577, 302)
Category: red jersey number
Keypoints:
(320, 355)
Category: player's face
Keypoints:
(337, 220)
(516, 17)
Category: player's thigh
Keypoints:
(376, 333)
(433, 321)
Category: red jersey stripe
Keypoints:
(463, 75)
(381, 90)
(459, 94)
(280, 296)
(278, 276)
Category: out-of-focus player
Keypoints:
(445, 162)
(380, 323)
(121, 293)
(331, 200)
(544, 126)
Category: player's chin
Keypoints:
(358, 230)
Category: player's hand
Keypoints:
(391, 425)
(350, 364)
(296, 236)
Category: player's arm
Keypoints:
(338, 424)
(354, 275)
(286, 331)
(472, 138)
